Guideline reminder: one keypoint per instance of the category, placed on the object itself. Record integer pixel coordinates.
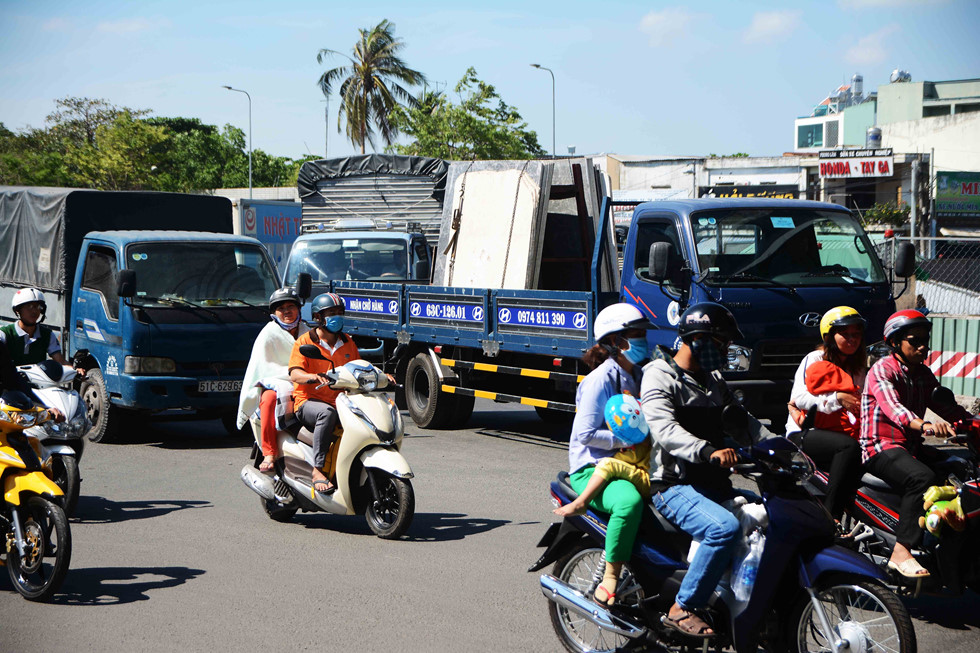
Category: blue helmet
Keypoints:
(625, 419)
(325, 301)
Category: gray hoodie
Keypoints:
(670, 397)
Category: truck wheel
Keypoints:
(429, 407)
(104, 416)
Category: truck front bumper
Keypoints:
(158, 393)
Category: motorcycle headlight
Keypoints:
(22, 419)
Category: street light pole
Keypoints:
(540, 67)
(238, 90)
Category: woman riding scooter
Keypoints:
(266, 386)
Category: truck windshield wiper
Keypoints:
(745, 276)
(843, 274)
(226, 300)
(176, 302)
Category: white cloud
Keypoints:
(129, 25)
(768, 26)
(871, 49)
(878, 4)
(56, 25)
(665, 27)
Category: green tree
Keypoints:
(120, 156)
(370, 87)
(481, 126)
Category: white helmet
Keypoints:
(619, 317)
(26, 296)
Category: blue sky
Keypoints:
(649, 78)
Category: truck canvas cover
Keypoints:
(42, 228)
(399, 189)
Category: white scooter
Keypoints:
(371, 475)
(61, 444)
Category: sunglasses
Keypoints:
(917, 341)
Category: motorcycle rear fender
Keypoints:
(559, 540)
(835, 560)
(28, 483)
(387, 460)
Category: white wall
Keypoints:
(956, 140)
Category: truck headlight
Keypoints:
(149, 365)
(739, 358)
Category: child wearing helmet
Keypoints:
(631, 462)
(620, 350)
(28, 340)
(897, 393)
(829, 380)
(266, 386)
(683, 399)
(315, 407)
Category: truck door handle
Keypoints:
(79, 326)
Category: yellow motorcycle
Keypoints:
(36, 542)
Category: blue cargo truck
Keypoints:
(154, 285)
(776, 264)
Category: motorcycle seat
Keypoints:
(653, 520)
(874, 482)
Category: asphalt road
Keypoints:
(171, 552)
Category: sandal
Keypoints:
(909, 568)
(267, 465)
(329, 487)
(608, 600)
(689, 624)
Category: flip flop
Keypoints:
(267, 466)
(331, 488)
(609, 599)
(690, 629)
(909, 568)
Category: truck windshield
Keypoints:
(779, 247)
(349, 258)
(201, 273)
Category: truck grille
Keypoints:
(780, 359)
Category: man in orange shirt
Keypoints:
(315, 407)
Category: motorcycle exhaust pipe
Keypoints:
(559, 592)
(258, 482)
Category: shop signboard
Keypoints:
(958, 194)
(853, 164)
(779, 191)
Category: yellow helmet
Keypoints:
(840, 316)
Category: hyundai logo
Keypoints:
(217, 368)
(810, 319)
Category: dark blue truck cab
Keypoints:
(778, 265)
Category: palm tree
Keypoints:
(369, 86)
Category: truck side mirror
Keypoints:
(905, 260)
(421, 271)
(126, 283)
(304, 285)
(659, 263)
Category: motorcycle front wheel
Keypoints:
(582, 569)
(865, 614)
(66, 476)
(390, 515)
(47, 551)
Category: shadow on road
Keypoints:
(99, 510)
(954, 612)
(178, 432)
(118, 585)
(426, 527)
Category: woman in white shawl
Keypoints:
(266, 385)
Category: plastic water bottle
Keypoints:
(747, 571)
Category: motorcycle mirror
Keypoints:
(312, 351)
(943, 396)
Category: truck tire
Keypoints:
(429, 407)
(104, 416)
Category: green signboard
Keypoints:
(958, 194)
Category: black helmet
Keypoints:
(710, 318)
(325, 301)
(282, 296)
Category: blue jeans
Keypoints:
(714, 527)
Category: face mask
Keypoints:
(639, 350)
(334, 323)
(285, 325)
(708, 354)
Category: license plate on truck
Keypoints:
(219, 386)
